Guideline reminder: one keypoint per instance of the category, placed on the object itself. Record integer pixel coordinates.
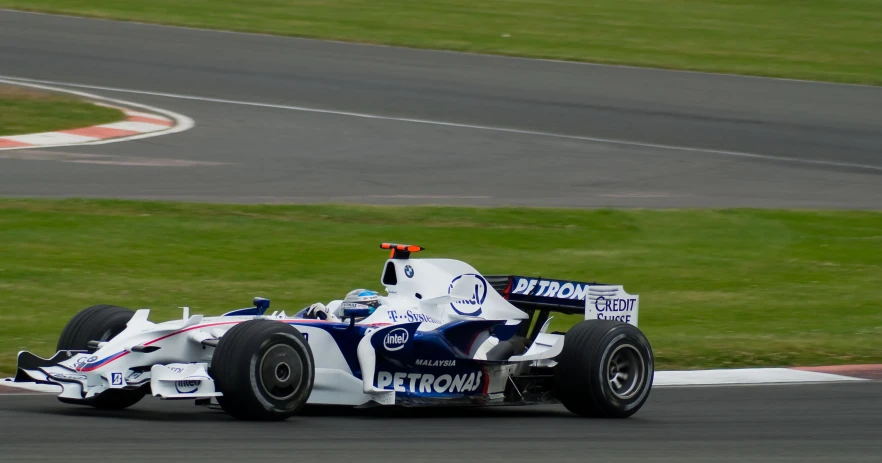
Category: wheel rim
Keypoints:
(625, 371)
(280, 372)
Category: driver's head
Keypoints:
(361, 298)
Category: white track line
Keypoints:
(50, 139)
(745, 376)
(739, 154)
(182, 122)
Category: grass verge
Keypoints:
(835, 40)
(718, 288)
(24, 111)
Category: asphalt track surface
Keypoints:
(438, 127)
(793, 423)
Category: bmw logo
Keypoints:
(408, 270)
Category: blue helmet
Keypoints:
(361, 298)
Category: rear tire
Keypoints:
(99, 323)
(605, 370)
(265, 369)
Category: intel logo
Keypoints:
(395, 339)
(186, 387)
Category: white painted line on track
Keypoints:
(745, 376)
(50, 139)
(133, 126)
(738, 154)
(182, 122)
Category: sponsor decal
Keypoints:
(68, 376)
(116, 379)
(408, 271)
(187, 387)
(83, 362)
(133, 376)
(612, 303)
(353, 305)
(436, 363)
(395, 339)
(551, 288)
(175, 369)
(410, 316)
(612, 308)
(602, 304)
(422, 383)
(618, 318)
(472, 305)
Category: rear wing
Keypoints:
(541, 296)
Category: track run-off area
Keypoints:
(284, 120)
(306, 121)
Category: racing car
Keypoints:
(444, 335)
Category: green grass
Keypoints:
(718, 288)
(24, 111)
(835, 40)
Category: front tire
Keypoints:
(96, 323)
(265, 370)
(605, 370)
(99, 323)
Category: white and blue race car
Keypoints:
(444, 335)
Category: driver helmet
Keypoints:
(361, 298)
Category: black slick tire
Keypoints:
(99, 323)
(265, 370)
(605, 370)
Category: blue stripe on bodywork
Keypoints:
(345, 336)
